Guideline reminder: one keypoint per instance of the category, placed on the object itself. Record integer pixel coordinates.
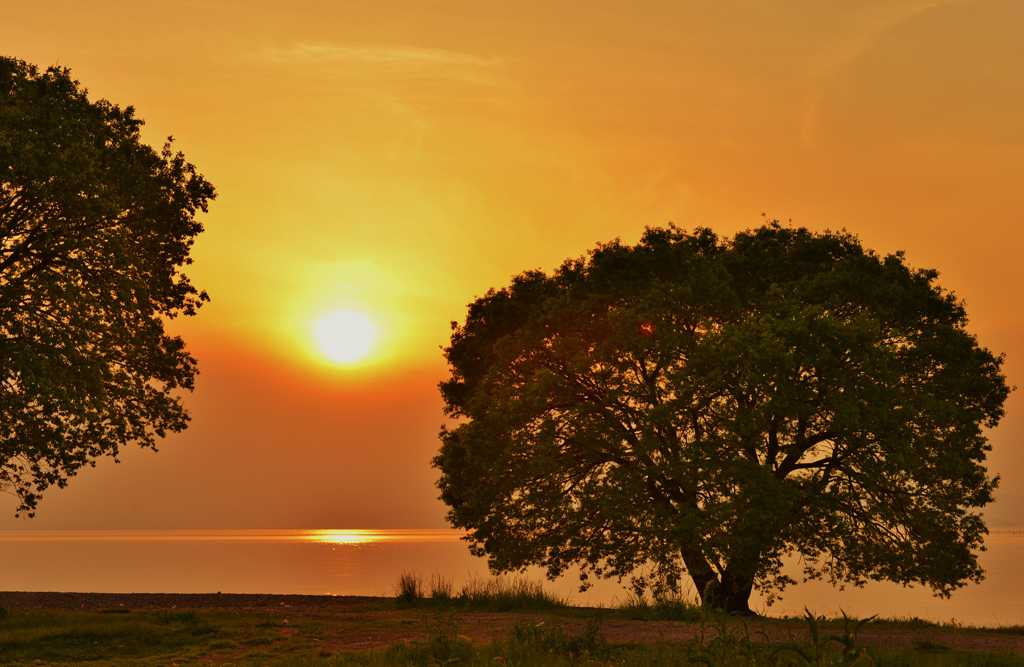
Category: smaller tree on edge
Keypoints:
(94, 229)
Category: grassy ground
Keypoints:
(502, 624)
(245, 638)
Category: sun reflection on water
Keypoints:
(327, 536)
(371, 536)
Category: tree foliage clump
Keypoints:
(705, 405)
(95, 227)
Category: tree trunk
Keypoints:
(703, 575)
(735, 592)
(731, 592)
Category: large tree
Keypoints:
(95, 227)
(704, 405)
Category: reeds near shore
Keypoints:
(522, 594)
(478, 593)
(665, 606)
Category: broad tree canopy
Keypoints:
(95, 226)
(709, 405)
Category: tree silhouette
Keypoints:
(95, 228)
(704, 405)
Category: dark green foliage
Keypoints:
(528, 642)
(443, 645)
(930, 646)
(823, 649)
(95, 227)
(912, 658)
(719, 642)
(551, 637)
(708, 405)
(187, 617)
(74, 637)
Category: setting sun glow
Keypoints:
(345, 336)
(380, 165)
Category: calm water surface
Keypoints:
(367, 562)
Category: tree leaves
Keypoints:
(95, 226)
(713, 404)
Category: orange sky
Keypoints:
(398, 158)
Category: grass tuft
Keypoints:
(188, 617)
(479, 593)
(669, 606)
(914, 622)
(508, 594)
(930, 646)
(550, 637)
(409, 588)
(441, 587)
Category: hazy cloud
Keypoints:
(396, 58)
(862, 29)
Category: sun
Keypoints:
(345, 336)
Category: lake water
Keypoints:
(367, 562)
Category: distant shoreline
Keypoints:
(65, 601)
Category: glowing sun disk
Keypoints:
(345, 336)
